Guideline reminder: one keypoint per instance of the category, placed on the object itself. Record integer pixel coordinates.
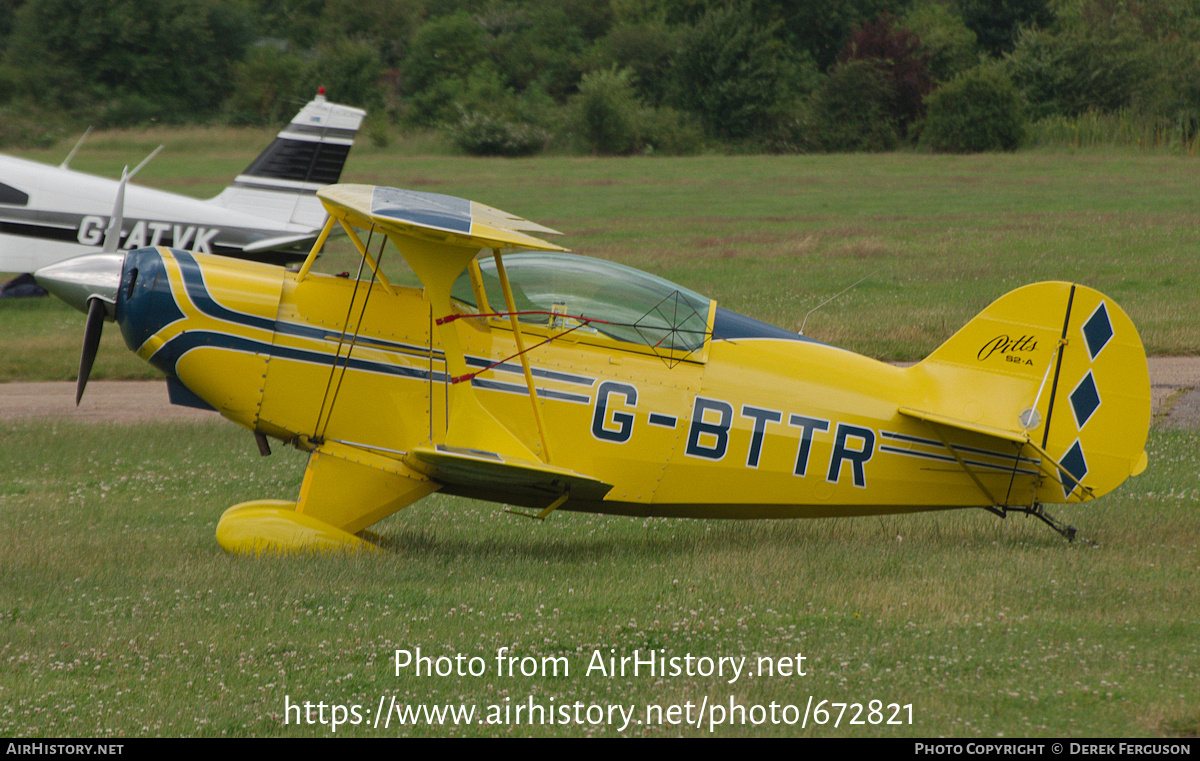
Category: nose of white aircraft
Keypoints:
(80, 279)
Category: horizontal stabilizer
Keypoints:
(931, 417)
(1060, 473)
(282, 241)
(479, 471)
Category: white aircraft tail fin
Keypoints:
(307, 155)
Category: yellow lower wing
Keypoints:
(487, 474)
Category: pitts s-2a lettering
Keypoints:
(519, 373)
(1012, 349)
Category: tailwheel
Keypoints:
(1065, 530)
(1038, 510)
(272, 526)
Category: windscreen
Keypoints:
(616, 301)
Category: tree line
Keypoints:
(516, 77)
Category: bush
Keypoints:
(734, 74)
(1126, 128)
(350, 71)
(646, 50)
(126, 61)
(669, 132)
(481, 134)
(951, 45)
(854, 110)
(1078, 70)
(898, 54)
(442, 59)
(24, 125)
(608, 113)
(610, 120)
(978, 111)
(266, 87)
(995, 21)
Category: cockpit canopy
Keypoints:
(612, 300)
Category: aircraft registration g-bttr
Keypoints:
(554, 381)
(269, 213)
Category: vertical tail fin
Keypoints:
(1059, 366)
(307, 155)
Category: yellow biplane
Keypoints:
(518, 373)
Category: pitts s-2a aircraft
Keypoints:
(552, 381)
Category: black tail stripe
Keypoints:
(1058, 366)
(300, 161)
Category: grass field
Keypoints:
(774, 236)
(120, 616)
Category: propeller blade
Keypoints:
(112, 236)
(91, 343)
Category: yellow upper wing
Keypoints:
(433, 216)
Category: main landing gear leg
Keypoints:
(345, 490)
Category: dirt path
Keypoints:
(1175, 391)
(103, 401)
(1174, 388)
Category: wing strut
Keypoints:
(326, 410)
(937, 429)
(510, 302)
(1063, 475)
(549, 509)
(316, 249)
(438, 236)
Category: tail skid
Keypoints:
(1059, 370)
(308, 154)
(1038, 510)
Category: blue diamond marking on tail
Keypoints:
(1074, 468)
(1097, 331)
(1085, 400)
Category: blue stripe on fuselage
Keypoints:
(197, 290)
(171, 352)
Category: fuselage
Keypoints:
(751, 422)
(49, 213)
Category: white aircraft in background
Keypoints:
(269, 213)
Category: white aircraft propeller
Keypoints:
(112, 235)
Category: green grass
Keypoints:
(773, 236)
(42, 340)
(120, 616)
